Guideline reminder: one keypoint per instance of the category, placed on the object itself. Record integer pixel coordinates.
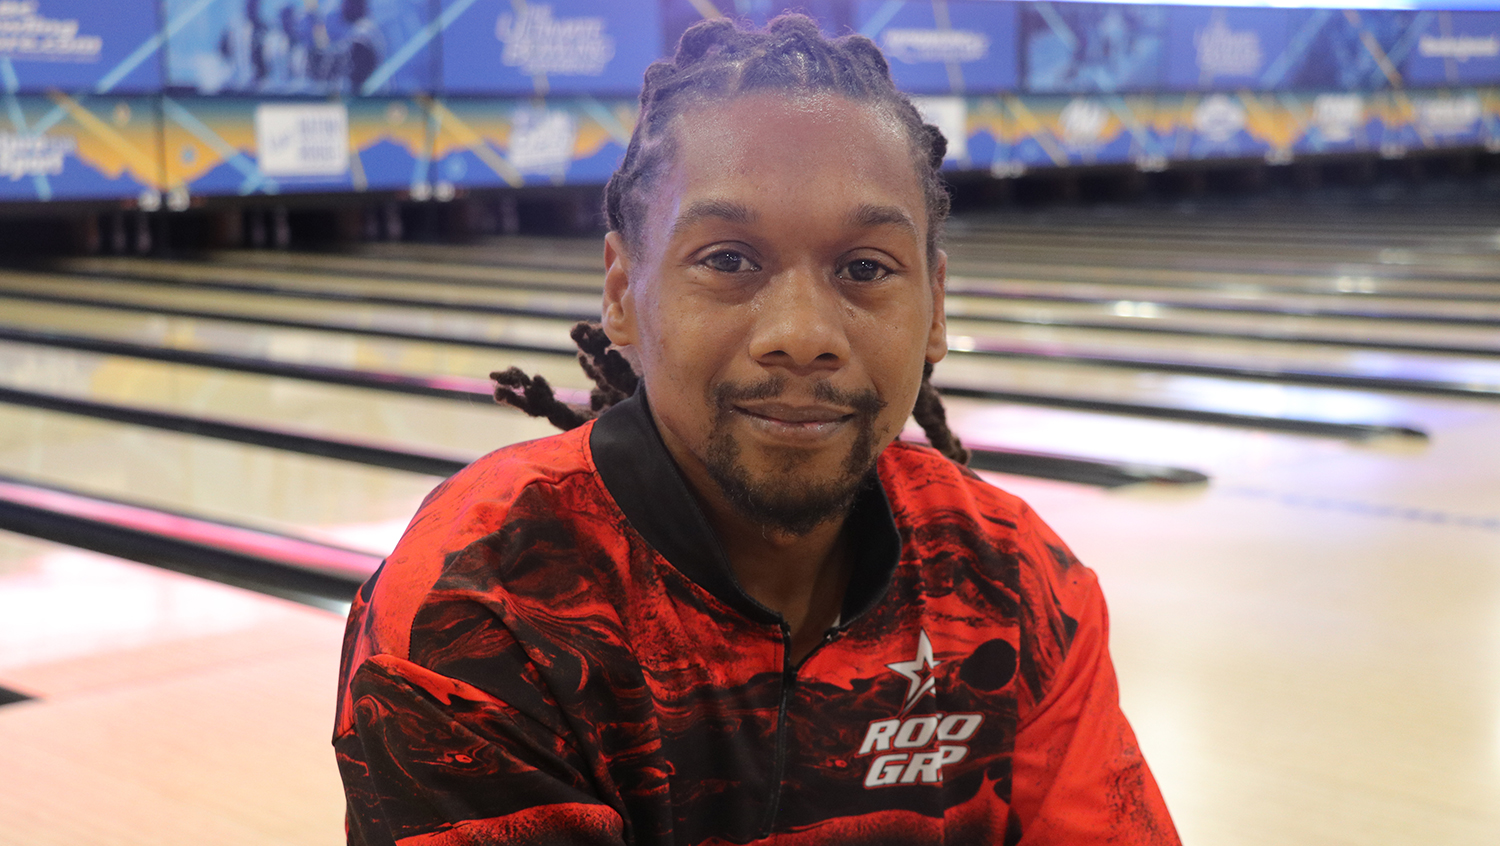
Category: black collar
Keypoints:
(644, 480)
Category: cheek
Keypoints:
(683, 351)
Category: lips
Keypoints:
(786, 414)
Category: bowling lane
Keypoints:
(332, 347)
(1455, 251)
(1005, 277)
(147, 683)
(965, 273)
(446, 359)
(994, 297)
(1478, 374)
(584, 253)
(1144, 321)
(420, 358)
(505, 264)
(188, 275)
(1212, 351)
(462, 430)
(256, 486)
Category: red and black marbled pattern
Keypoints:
(526, 668)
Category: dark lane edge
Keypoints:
(1397, 384)
(283, 322)
(305, 571)
(1293, 425)
(475, 391)
(325, 447)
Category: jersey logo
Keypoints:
(926, 744)
(918, 672)
(915, 749)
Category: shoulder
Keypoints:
(925, 488)
(526, 497)
(971, 537)
(482, 542)
(476, 500)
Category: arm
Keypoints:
(433, 760)
(1079, 775)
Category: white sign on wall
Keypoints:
(951, 115)
(302, 139)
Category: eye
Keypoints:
(729, 261)
(865, 270)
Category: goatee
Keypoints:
(783, 500)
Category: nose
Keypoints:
(800, 323)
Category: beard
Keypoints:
(783, 499)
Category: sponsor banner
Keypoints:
(1330, 121)
(1061, 131)
(1223, 48)
(944, 47)
(318, 47)
(233, 146)
(61, 148)
(1427, 120)
(1091, 47)
(100, 46)
(491, 143)
(562, 46)
(1455, 48)
(1243, 125)
(832, 16)
(1343, 50)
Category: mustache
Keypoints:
(865, 404)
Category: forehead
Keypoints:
(792, 154)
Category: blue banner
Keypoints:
(1331, 122)
(942, 48)
(490, 143)
(1223, 48)
(60, 147)
(1092, 47)
(1343, 50)
(313, 47)
(1456, 48)
(98, 46)
(500, 47)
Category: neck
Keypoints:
(801, 577)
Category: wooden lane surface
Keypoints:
(147, 681)
(193, 333)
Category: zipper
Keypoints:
(788, 682)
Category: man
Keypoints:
(731, 608)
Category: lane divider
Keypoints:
(282, 565)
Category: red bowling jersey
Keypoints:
(557, 652)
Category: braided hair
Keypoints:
(717, 59)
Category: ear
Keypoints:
(619, 295)
(937, 336)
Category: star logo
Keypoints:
(918, 672)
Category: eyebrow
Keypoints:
(720, 209)
(869, 216)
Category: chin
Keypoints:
(790, 497)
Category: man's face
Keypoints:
(780, 304)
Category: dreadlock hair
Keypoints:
(715, 60)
